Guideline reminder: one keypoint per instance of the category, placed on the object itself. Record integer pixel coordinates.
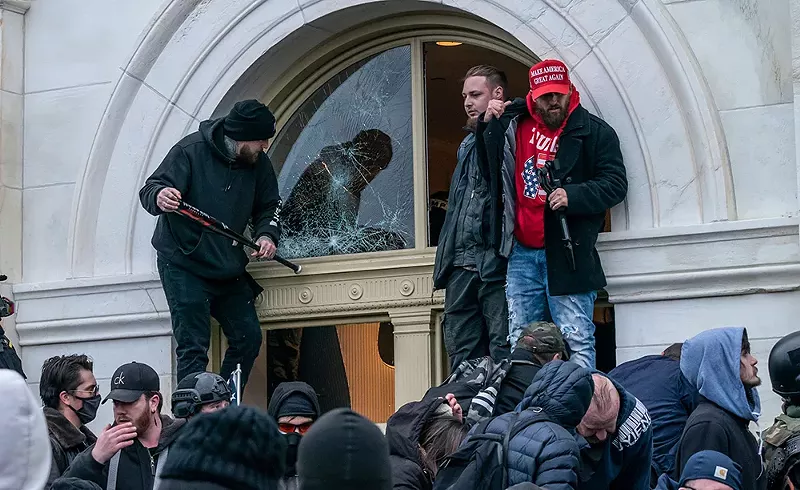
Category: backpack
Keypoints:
(475, 384)
(481, 463)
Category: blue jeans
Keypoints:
(529, 299)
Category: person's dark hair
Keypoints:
(440, 438)
(673, 351)
(150, 394)
(495, 77)
(61, 373)
(745, 343)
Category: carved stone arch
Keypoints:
(628, 59)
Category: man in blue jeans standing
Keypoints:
(221, 169)
(551, 125)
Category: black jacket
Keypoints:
(591, 172)
(546, 452)
(669, 397)
(135, 469)
(622, 462)
(209, 178)
(66, 441)
(403, 432)
(468, 211)
(711, 427)
(524, 367)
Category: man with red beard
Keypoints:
(129, 454)
(518, 139)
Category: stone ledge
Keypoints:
(721, 259)
(18, 6)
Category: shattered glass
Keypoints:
(347, 175)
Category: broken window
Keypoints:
(347, 175)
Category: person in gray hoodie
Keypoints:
(719, 363)
(24, 444)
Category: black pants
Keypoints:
(193, 300)
(475, 318)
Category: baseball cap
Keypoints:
(712, 465)
(132, 380)
(549, 76)
(546, 338)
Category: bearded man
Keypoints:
(223, 170)
(550, 125)
(129, 454)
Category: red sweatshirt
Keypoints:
(536, 144)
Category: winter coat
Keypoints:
(666, 483)
(546, 453)
(621, 462)
(135, 469)
(403, 432)
(466, 222)
(66, 440)
(711, 362)
(524, 367)
(658, 383)
(24, 447)
(592, 174)
(209, 178)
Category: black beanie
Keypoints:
(74, 484)
(344, 451)
(249, 120)
(238, 448)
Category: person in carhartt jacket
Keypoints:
(473, 273)
(718, 362)
(516, 141)
(71, 397)
(222, 170)
(547, 453)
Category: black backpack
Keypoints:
(482, 462)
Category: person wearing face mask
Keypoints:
(70, 396)
(200, 393)
(296, 407)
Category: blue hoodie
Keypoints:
(711, 361)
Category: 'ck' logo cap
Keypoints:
(132, 380)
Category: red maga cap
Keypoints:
(549, 76)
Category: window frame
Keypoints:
(332, 57)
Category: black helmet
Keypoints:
(784, 366)
(196, 390)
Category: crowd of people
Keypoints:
(677, 420)
(524, 406)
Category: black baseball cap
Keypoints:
(132, 380)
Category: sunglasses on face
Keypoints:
(289, 428)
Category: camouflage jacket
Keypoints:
(782, 447)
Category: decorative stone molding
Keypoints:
(194, 51)
(16, 6)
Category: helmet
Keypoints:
(196, 390)
(784, 366)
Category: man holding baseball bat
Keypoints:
(222, 170)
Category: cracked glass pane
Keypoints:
(347, 174)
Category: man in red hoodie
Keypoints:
(550, 125)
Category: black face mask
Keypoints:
(88, 411)
(293, 441)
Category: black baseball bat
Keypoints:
(220, 228)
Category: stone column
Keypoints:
(794, 10)
(413, 353)
(11, 88)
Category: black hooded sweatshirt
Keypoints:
(136, 470)
(282, 392)
(209, 178)
(403, 432)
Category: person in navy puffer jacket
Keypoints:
(546, 453)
